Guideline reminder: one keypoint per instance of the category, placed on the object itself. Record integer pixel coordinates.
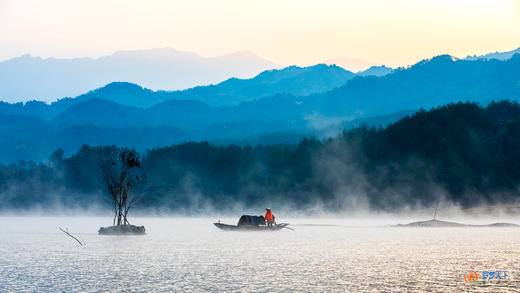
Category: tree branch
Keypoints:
(66, 232)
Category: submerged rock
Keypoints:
(122, 230)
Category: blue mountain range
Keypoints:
(275, 106)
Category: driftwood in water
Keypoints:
(67, 232)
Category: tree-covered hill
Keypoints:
(461, 153)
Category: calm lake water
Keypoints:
(191, 255)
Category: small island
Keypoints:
(437, 223)
(434, 223)
(122, 229)
(122, 172)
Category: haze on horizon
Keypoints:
(394, 33)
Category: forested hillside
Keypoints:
(462, 153)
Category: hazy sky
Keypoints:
(393, 32)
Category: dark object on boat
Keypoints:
(251, 220)
(251, 223)
(122, 230)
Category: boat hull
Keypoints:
(227, 227)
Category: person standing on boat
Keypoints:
(269, 217)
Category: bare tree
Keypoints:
(122, 172)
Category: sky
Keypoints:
(301, 32)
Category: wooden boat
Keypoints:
(228, 227)
(251, 223)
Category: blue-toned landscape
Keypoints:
(297, 136)
(259, 146)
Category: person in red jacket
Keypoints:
(269, 217)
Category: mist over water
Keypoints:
(191, 255)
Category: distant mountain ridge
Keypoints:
(167, 69)
(266, 104)
(376, 71)
(351, 64)
(496, 55)
(429, 83)
(292, 80)
(320, 89)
